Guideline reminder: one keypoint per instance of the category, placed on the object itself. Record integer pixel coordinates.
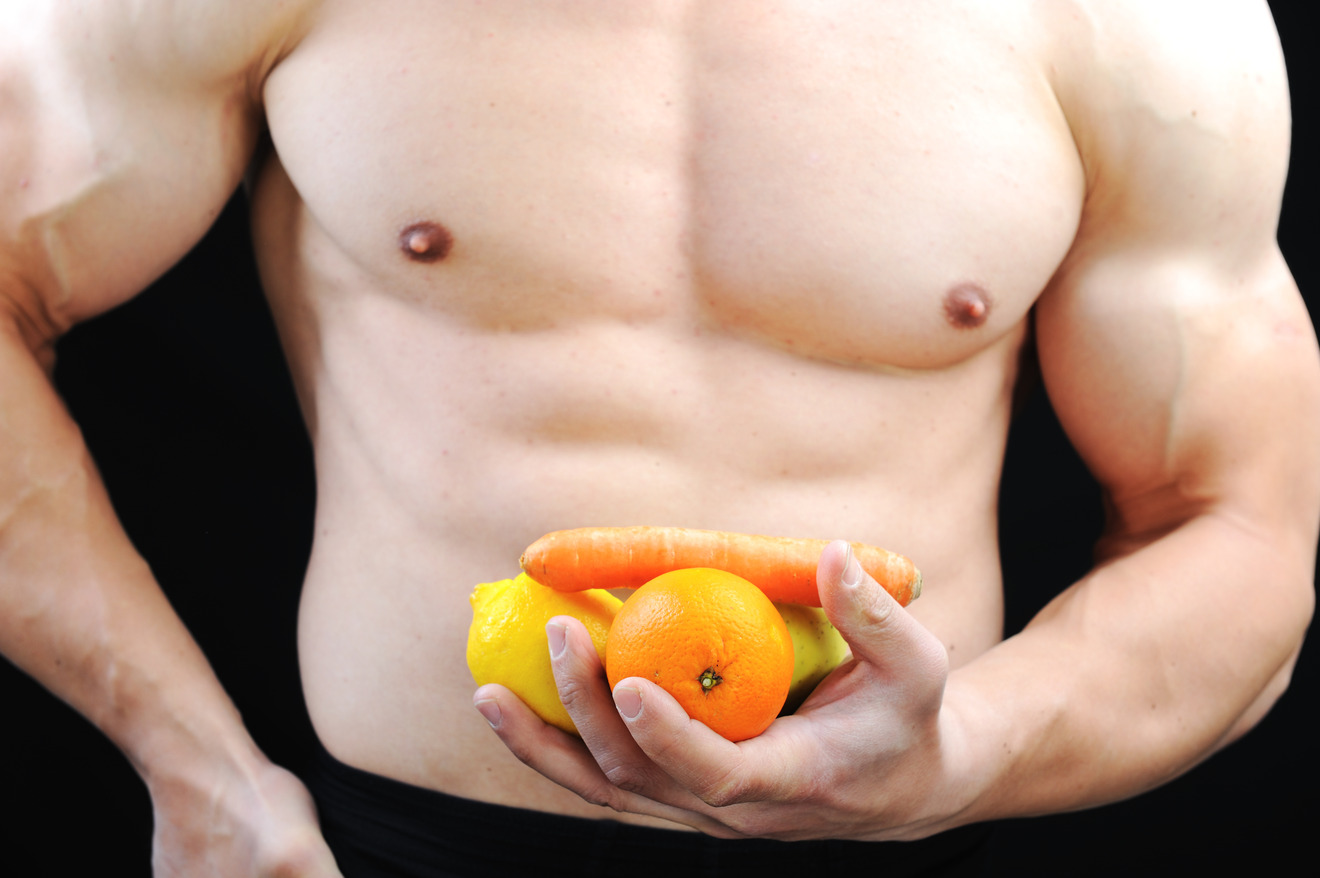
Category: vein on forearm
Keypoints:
(1141, 669)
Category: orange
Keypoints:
(713, 641)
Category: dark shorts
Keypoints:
(379, 827)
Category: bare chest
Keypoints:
(886, 183)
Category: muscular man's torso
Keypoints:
(757, 266)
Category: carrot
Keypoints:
(628, 557)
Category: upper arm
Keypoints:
(1173, 340)
(124, 129)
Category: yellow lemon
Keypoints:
(507, 643)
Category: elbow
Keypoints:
(24, 320)
(1290, 639)
(1256, 711)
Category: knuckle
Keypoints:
(571, 693)
(603, 794)
(729, 832)
(933, 668)
(625, 776)
(520, 752)
(879, 609)
(664, 746)
(525, 751)
(572, 689)
(296, 858)
(726, 788)
(752, 824)
(752, 820)
(833, 798)
(721, 796)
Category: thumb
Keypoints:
(878, 629)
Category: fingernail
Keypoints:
(491, 711)
(558, 636)
(629, 701)
(852, 571)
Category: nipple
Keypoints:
(966, 306)
(426, 242)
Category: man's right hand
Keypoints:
(258, 824)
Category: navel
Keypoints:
(426, 242)
(967, 306)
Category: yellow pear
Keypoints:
(818, 648)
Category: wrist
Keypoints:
(971, 761)
(196, 769)
(195, 740)
(170, 716)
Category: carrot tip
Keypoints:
(916, 586)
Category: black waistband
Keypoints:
(383, 828)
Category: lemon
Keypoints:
(507, 643)
(818, 648)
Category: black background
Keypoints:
(186, 404)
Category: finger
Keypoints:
(585, 695)
(687, 752)
(539, 745)
(879, 630)
(580, 680)
(620, 773)
(717, 771)
(555, 754)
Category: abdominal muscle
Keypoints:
(443, 451)
(735, 266)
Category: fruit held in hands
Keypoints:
(507, 643)
(713, 641)
(818, 648)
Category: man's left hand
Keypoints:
(872, 754)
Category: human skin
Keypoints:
(743, 266)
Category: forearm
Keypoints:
(79, 609)
(1135, 674)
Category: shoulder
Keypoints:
(201, 41)
(1164, 52)
(1174, 313)
(125, 125)
(1179, 108)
